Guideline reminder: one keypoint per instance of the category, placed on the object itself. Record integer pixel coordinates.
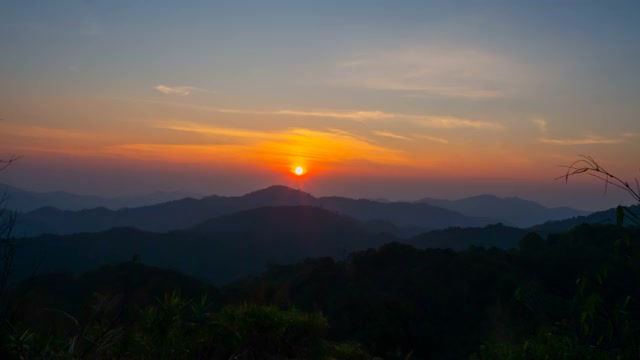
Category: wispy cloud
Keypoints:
(433, 138)
(589, 139)
(442, 122)
(221, 131)
(347, 115)
(445, 122)
(433, 72)
(583, 141)
(391, 135)
(286, 146)
(352, 115)
(178, 90)
(541, 124)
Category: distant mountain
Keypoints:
(236, 245)
(512, 210)
(600, 217)
(24, 201)
(219, 250)
(499, 236)
(185, 213)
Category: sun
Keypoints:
(299, 170)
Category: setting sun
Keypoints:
(299, 170)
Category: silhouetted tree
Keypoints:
(7, 243)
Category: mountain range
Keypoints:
(24, 201)
(606, 217)
(511, 210)
(237, 245)
(400, 218)
(218, 250)
(233, 246)
(220, 239)
(187, 212)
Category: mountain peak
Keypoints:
(278, 189)
(280, 195)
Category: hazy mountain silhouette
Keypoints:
(600, 217)
(232, 246)
(278, 195)
(185, 213)
(498, 235)
(511, 210)
(219, 250)
(24, 201)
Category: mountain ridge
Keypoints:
(25, 200)
(184, 213)
(221, 249)
(605, 217)
(512, 210)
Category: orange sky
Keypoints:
(418, 93)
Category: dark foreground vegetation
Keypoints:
(574, 295)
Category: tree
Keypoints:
(609, 321)
(7, 243)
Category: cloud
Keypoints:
(583, 141)
(207, 130)
(433, 138)
(455, 123)
(391, 135)
(630, 134)
(433, 72)
(541, 124)
(444, 122)
(441, 122)
(351, 115)
(285, 146)
(178, 90)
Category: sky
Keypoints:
(378, 99)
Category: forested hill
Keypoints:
(243, 243)
(239, 244)
(425, 301)
(523, 303)
(498, 235)
(601, 217)
(217, 251)
(511, 210)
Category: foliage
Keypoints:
(547, 346)
(395, 302)
(266, 332)
(7, 243)
(170, 327)
(603, 321)
(588, 165)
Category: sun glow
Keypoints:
(299, 170)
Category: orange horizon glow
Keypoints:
(331, 151)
